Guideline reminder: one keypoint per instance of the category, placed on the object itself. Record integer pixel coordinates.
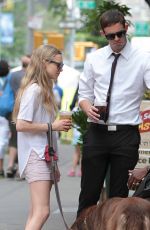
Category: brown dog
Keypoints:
(131, 213)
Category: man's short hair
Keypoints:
(25, 60)
(111, 17)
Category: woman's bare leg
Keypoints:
(29, 215)
(76, 158)
(40, 204)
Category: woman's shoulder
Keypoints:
(34, 87)
(32, 91)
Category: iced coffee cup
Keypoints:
(65, 115)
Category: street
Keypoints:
(14, 198)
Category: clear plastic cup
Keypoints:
(65, 115)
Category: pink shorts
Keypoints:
(37, 169)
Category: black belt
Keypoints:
(113, 127)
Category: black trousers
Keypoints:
(102, 148)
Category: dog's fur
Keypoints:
(131, 213)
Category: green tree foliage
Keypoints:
(147, 95)
(18, 48)
(58, 8)
(56, 12)
(51, 15)
(90, 19)
(79, 119)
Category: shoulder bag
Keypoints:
(6, 99)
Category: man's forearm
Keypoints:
(85, 105)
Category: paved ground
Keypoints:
(14, 198)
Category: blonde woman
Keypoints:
(35, 107)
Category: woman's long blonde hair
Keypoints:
(36, 73)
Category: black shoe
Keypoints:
(10, 173)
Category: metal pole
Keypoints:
(30, 12)
(72, 36)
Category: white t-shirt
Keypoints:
(32, 109)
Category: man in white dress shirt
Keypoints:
(112, 138)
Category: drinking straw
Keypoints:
(66, 106)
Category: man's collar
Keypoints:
(125, 52)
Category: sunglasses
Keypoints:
(58, 64)
(119, 34)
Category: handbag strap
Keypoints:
(54, 169)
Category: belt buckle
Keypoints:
(112, 128)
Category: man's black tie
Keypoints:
(113, 68)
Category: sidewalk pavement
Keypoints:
(14, 198)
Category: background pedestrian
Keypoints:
(6, 95)
(15, 81)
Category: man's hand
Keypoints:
(135, 176)
(90, 110)
(92, 113)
